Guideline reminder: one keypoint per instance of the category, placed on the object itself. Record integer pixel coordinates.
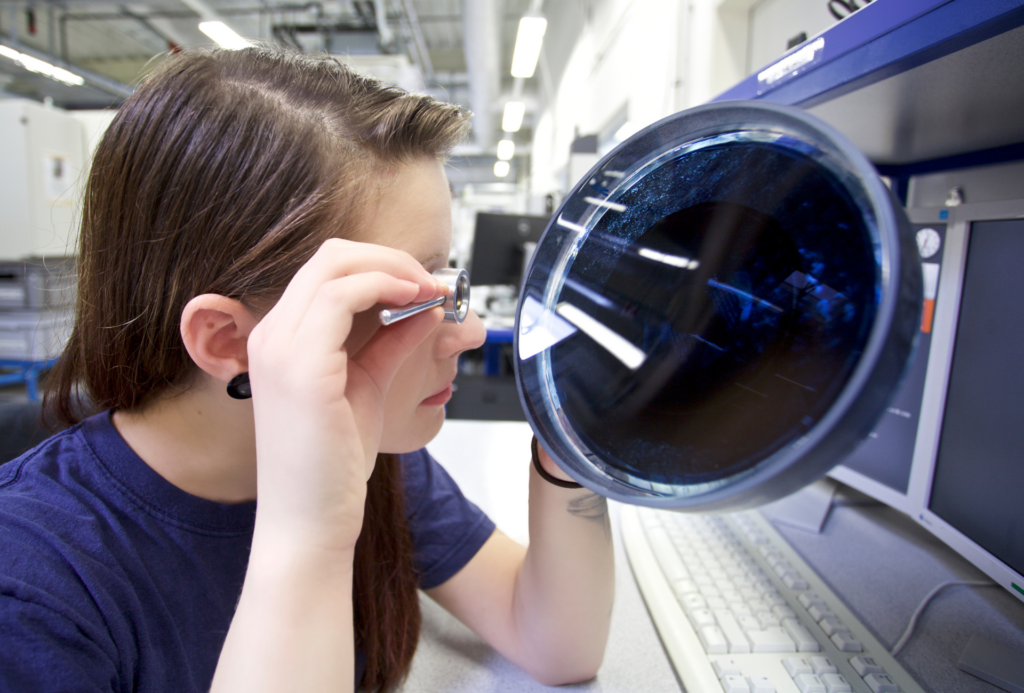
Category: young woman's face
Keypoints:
(414, 214)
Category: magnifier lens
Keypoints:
(700, 311)
(456, 308)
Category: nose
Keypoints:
(456, 338)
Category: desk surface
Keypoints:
(880, 562)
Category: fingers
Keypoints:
(336, 259)
(384, 353)
(327, 321)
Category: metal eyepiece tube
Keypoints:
(455, 300)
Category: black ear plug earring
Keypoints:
(239, 387)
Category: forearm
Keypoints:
(292, 630)
(565, 588)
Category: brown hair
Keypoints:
(223, 173)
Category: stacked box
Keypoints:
(36, 297)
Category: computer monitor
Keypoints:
(501, 245)
(881, 465)
(966, 472)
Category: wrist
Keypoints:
(548, 470)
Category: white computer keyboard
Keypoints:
(740, 612)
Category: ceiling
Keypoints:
(458, 50)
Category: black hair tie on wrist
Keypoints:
(543, 474)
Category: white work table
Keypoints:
(491, 461)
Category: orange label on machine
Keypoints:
(930, 272)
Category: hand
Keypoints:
(318, 389)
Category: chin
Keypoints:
(414, 433)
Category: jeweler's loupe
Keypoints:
(718, 312)
(455, 300)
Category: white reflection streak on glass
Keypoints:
(589, 293)
(674, 260)
(743, 294)
(614, 206)
(616, 345)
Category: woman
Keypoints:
(245, 213)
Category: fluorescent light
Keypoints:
(528, 43)
(506, 149)
(512, 118)
(42, 67)
(223, 35)
(501, 168)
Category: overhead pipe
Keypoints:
(481, 39)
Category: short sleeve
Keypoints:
(44, 651)
(447, 528)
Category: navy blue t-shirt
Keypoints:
(113, 579)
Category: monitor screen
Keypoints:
(881, 465)
(979, 466)
(500, 247)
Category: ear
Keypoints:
(216, 330)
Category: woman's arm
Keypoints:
(318, 413)
(546, 608)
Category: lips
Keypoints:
(442, 396)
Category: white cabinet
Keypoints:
(42, 160)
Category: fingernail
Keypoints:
(442, 288)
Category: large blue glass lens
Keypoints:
(744, 276)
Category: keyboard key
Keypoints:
(667, 556)
(726, 667)
(716, 603)
(835, 683)
(846, 642)
(735, 684)
(797, 665)
(822, 665)
(768, 620)
(771, 640)
(820, 611)
(701, 618)
(738, 642)
(761, 684)
(713, 640)
(805, 642)
(794, 582)
(783, 612)
(748, 623)
(809, 683)
(881, 683)
(693, 601)
(832, 625)
(684, 587)
(808, 598)
(866, 665)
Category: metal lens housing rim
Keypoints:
(876, 375)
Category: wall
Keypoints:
(645, 58)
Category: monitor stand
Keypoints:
(807, 509)
(990, 661)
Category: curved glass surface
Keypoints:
(689, 317)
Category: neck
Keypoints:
(201, 441)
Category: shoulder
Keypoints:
(447, 528)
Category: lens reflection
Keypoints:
(743, 274)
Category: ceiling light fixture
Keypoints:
(501, 168)
(42, 67)
(224, 35)
(506, 149)
(512, 118)
(528, 44)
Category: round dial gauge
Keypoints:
(928, 242)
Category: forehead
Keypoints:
(414, 212)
